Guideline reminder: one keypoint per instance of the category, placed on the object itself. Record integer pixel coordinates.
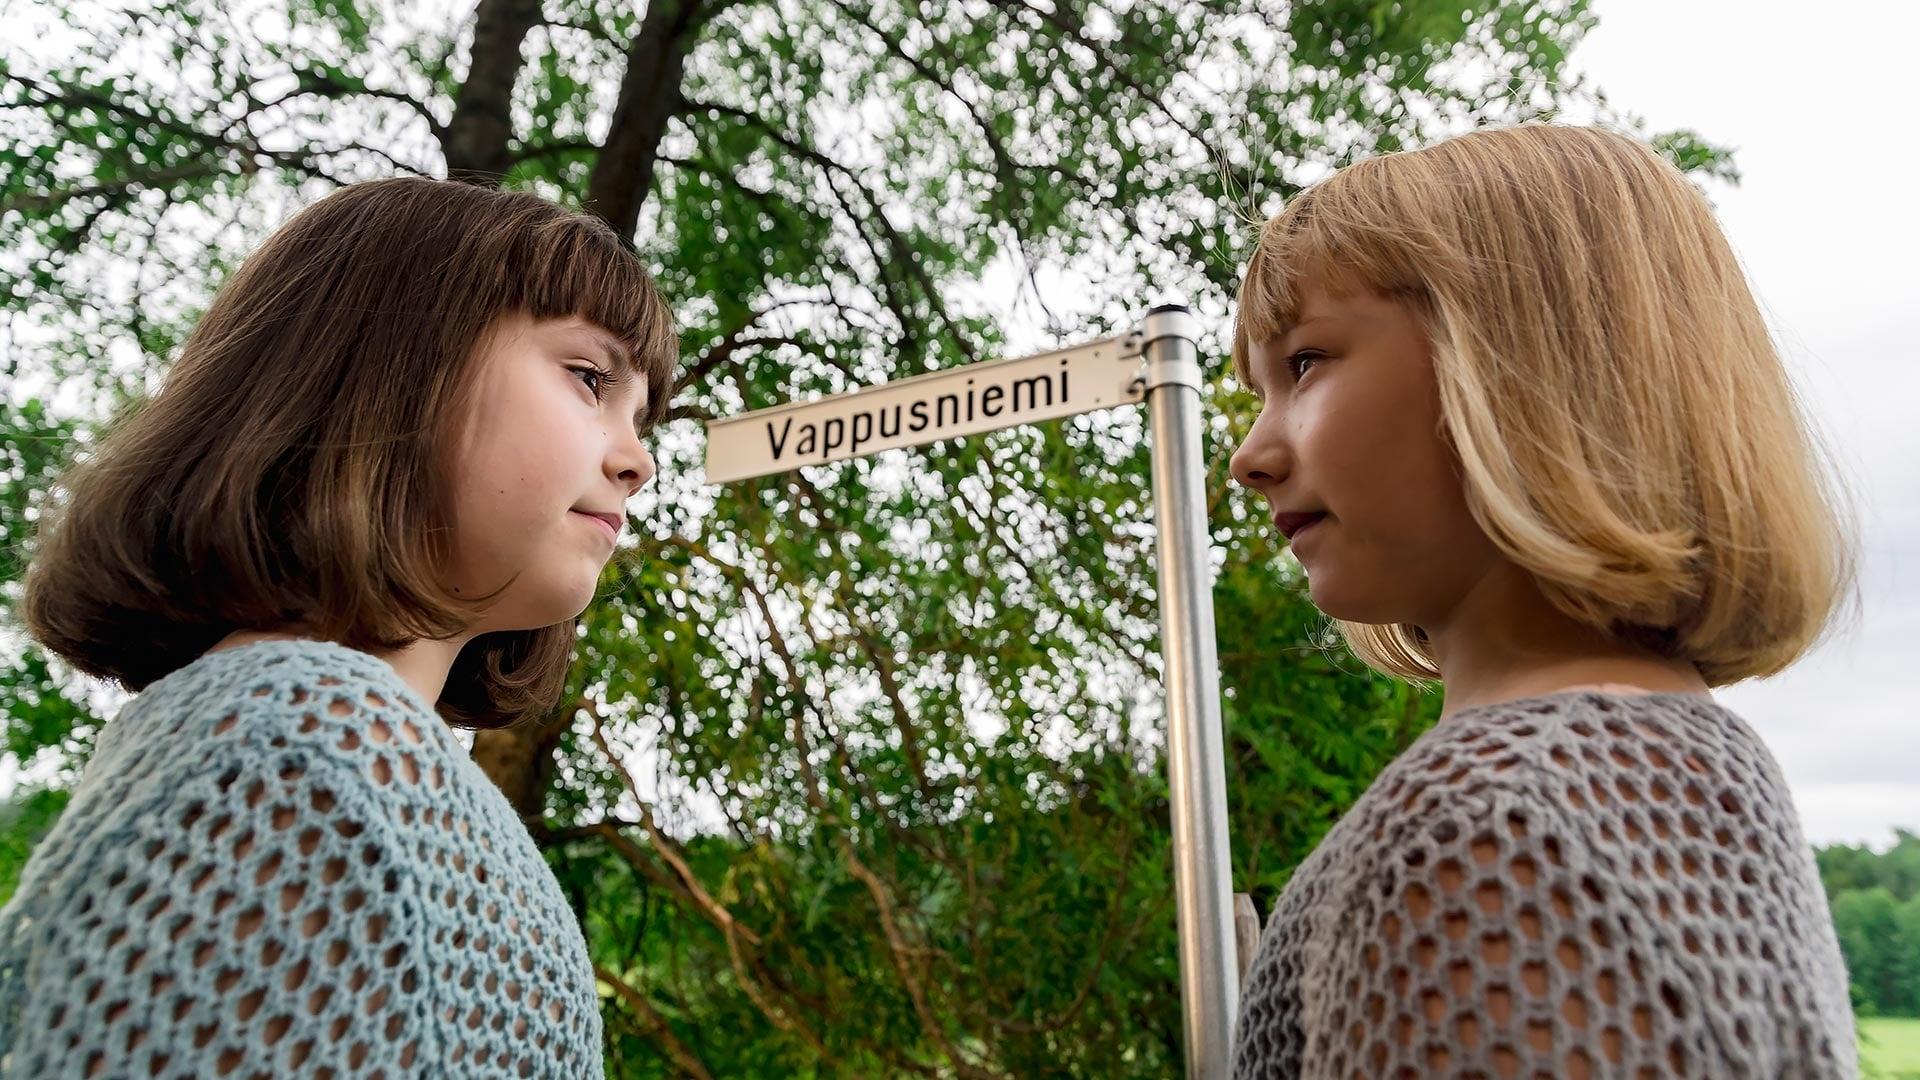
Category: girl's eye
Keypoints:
(596, 380)
(1300, 362)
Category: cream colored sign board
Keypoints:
(926, 408)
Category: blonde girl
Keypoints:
(1524, 427)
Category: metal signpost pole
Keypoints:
(1196, 762)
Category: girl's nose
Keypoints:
(1262, 459)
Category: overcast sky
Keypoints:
(1815, 100)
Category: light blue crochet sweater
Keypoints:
(280, 863)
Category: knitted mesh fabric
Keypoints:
(279, 863)
(1580, 884)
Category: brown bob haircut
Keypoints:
(291, 469)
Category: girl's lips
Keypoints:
(1290, 525)
(612, 530)
(1302, 539)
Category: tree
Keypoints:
(904, 810)
(1867, 924)
(1846, 866)
(1875, 898)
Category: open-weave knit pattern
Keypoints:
(280, 863)
(1580, 884)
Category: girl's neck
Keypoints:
(422, 664)
(1506, 641)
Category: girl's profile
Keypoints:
(1526, 431)
(366, 506)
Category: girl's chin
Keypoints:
(1333, 596)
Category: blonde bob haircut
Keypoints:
(1624, 427)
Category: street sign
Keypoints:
(1158, 364)
(927, 408)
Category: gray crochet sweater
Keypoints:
(1580, 884)
(280, 863)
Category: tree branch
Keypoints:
(1007, 166)
(1058, 18)
(664, 844)
(900, 951)
(730, 345)
(116, 190)
(899, 254)
(655, 1024)
(321, 83)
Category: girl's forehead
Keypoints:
(573, 328)
(572, 324)
(1329, 299)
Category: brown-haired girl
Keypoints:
(370, 500)
(1527, 434)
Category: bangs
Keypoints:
(576, 266)
(1354, 231)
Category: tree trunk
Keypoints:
(476, 139)
(520, 761)
(649, 95)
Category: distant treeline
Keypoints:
(1875, 898)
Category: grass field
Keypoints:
(1890, 1048)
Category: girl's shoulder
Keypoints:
(1617, 768)
(316, 700)
(265, 735)
(281, 676)
(287, 824)
(1640, 779)
(1646, 746)
(1644, 844)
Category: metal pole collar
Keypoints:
(1176, 362)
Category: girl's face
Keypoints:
(550, 448)
(1348, 452)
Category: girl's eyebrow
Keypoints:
(616, 353)
(1304, 323)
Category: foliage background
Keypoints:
(859, 772)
